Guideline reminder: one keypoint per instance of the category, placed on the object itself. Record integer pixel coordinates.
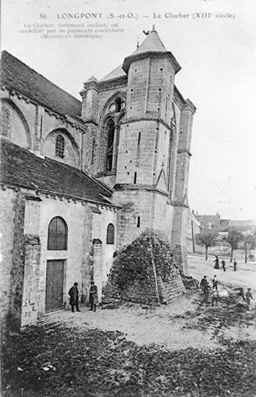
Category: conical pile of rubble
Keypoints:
(144, 272)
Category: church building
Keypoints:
(80, 180)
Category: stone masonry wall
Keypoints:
(18, 123)
(13, 252)
(179, 242)
(31, 280)
(134, 216)
(95, 108)
(18, 259)
(32, 125)
(102, 265)
(7, 223)
(78, 218)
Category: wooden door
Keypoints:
(54, 285)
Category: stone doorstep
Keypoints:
(55, 311)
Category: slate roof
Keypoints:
(116, 73)
(19, 167)
(152, 44)
(21, 78)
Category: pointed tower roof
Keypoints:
(151, 45)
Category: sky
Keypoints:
(214, 44)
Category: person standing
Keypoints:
(235, 265)
(216, 260)
(74, 294)
(204, 285)
(223, 263)
(93, 296)
(203, 282)
(248, 296)
(215, 283)
(215, 297)
(241, 293)
(207, 291)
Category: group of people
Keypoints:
(74, 297)
(247, 297)
(223, 264)
(206, 288)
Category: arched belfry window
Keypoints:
(59, 146)
(111, 234)
(118, 102)
(57, 234)
(110, 144)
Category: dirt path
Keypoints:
(245, 276)
(185, 349)
(142, 326)
(175, 326)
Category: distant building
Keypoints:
(245, 226)
(209, 222)
(214, 223)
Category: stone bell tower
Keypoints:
(151, 134)
(143, 177)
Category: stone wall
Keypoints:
(7, 216)
(78, 218)
(102, 255)
(179, 238)
(96, 101)
(142, 209)
(32, 126)
(25, 218)
(16, 122)
(12, 206)
(30, 298)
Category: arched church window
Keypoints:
(59, 146)
(118, 102)
(57, 234)
(110, 144)
(111, 234)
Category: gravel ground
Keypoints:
(185, 349)
(144, 325)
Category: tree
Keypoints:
(249, 244)
(233, 238)
(207, 239)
